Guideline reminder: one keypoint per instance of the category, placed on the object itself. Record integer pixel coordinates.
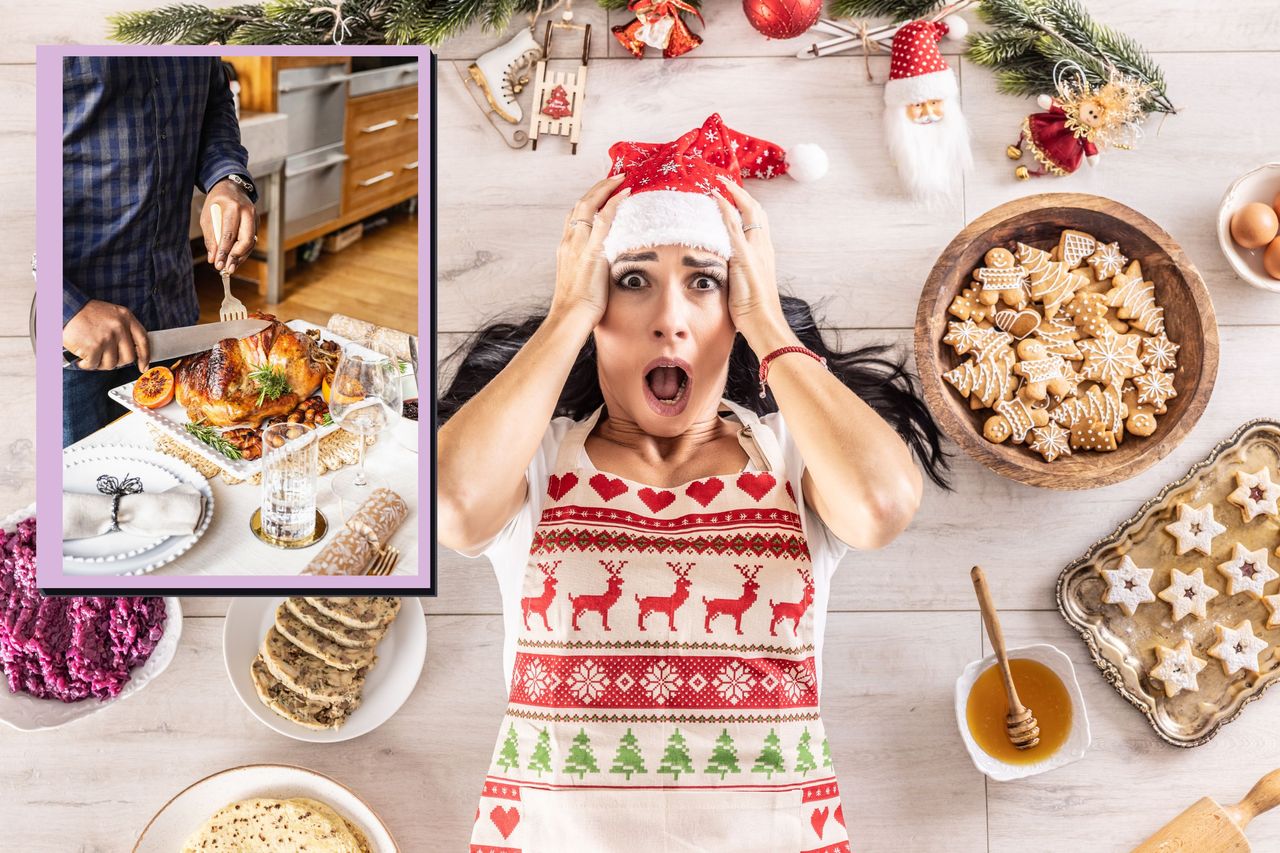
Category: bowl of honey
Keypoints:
(1046, 683)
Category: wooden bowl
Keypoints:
(1038, 221)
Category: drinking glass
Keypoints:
(290, 466)
(364, 398)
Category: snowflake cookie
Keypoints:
(963, 335)
(1051, 441)
(1154, 388)
(1159, 353)
(1110, 360)
(1188, 594)
(1248, 571)
(1128, 586)
(1107, 260)
(1195, 529)
(1238, 648)
(1273, 607)
(1255, 494)
(1178, 669)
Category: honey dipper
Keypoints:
(1019, 725)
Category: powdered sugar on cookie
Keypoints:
(1178, 668)
(1128, 586)
(1195, 529)
(1255, 494)
(1248, 571)
(1238, 648)
(1188, 594)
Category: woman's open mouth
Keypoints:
(667, 382)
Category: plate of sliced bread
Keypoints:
(324, 669)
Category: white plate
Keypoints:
(401, 655)
(170, 548)
(1261, 184)
(26, 713)
(80, 473)
(191, 807)
(171, 419)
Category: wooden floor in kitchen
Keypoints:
(903, 621)
(373, 279)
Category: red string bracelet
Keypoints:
(764, 363)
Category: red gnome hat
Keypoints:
(917, 71)
(672, 185)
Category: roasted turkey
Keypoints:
(215, 386)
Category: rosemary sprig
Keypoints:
(272, 382)
(327, 419)
(210, 436)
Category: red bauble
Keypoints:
(782, 19)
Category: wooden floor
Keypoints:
(374, 279)
(902, 620)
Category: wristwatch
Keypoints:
(243, 182)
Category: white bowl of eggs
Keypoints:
(1249, 226)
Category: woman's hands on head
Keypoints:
(754, 304)
(582, 273)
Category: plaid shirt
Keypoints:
(137, 134)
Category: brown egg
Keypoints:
(1271, 259)
(1254, 225)
(1275, 203)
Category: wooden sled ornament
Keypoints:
(558, 95)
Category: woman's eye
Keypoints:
(631, 280)
(704, 282)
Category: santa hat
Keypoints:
(673, 185)
(917, 71)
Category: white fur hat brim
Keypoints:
(667, 218)
(936, 85)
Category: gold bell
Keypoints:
(1013, 152)
(1021, 173)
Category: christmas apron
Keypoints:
(664, 695)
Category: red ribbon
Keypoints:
(664, 8)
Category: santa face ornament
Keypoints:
(926, 131)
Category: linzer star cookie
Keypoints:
(1178, 668)
(1188, 594)
(1273, 607)
(1255, 494)
(1128, 586)
(1238, 648)
(1195, 529)
(1248, 572)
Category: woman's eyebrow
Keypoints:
(709, 263)
(637, 256)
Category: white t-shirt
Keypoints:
(508, 551)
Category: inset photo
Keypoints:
(240, 242)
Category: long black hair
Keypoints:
(875, 372)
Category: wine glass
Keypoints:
(364, 398)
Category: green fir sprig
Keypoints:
(895, 10)
(212, 437)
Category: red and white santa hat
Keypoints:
(917, 71)
(672, 185)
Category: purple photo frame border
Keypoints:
(50, 575)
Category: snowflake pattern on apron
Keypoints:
(664, 695)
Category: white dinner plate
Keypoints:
(26, 713)
(191, 807)
(146, 559)
(80, 475)
(401, 656)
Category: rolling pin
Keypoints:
(1207, 827)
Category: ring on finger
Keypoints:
(746, 228)
(576, 222)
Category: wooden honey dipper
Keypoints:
(1020, 726)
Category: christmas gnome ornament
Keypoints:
(672, 185)
(658, 25)
(1080, 122)
(926, 131)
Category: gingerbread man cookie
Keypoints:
(1002, 279)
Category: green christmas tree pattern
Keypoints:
(826, 753)
(628, 760)
(540, 761)
(675, 760)
(724, 756)
(581, 759)
(770, 760)
(804, 755)
(509, 757)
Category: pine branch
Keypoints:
(1000, 47)
(897, 10)
(181, 23)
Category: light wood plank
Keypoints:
(17, 188)
(18, 427)
(1130, 782)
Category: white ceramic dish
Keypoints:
(401, 656)
(190, 808)
(1260, 184)
(1078, 740)
(80, 474)
(172, 419)
(81, 463)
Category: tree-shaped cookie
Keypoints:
(1102, 403)
(1136, 301)
(988, 375)
(1059, 338)
(1050, 281)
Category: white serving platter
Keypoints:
(401, 656)
(187, 811)
(172, 418)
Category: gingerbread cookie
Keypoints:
(1051, 441)
(1059, 338)
(963, 335)
(1141, 420)
(1050, 281)
(1107, 260)
(1248, 572)
(1013, 419)
(1177, 669)
(1110, 359)
(1256, 495)
(1154, 388)
(1237, 648)
(987, 377)
(1020, 323)
(1093, 435)
(1002, 280)
(1128, 586)
(1188, 594)
(1136, 302)
(1043, 374)
(1159, 353)
(1088, 312)
(966, 306)
(1074, 247)
(1099, 403)
(1195, 529)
